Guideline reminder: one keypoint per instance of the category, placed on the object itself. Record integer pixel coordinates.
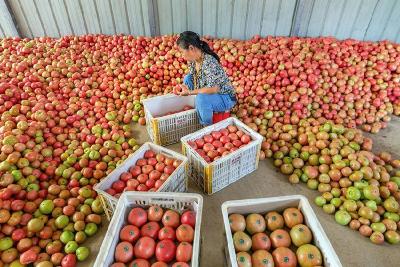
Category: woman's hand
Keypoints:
(184, 90)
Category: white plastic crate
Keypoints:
(176, 182)
(264, 205)
(214, 176)
(169, 129)
(179, 202)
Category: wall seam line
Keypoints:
(372, 15)
(277, 17)
(40, 18)
(23, 13)
(68, 16)
(112, 16)
(54, 18)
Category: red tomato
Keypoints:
(159, 264)
(150, 183)
(158, 184)
(169, 169)
(180, 264)
(208, 138)
(149, 154)
(216, 135)
(184, 252)
(118, 186)
(185, 232)
(165, 250)
(144, 248)
(135, 171)
(141, 162)
(129, 233)
(118, 264)
(154, 175)
(284, 257)
(69, 260)
(152, 161)
(189, 217)
(166, 233)
(125, 176)
(155, 213)
(245, 139)
(146, 169)
(137, 217)
(142, 187)
(139, 263)
(124, 252)
(150, 229)
(30, 256)
(170, 218)
(200, 143)
(142, 178)
(160, 166)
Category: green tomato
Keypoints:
(336, 202)
(5, 243)
(336, 192)
(46, 207)
(392, 216)
(329, 208)
(71, 247)
(312, 184)
(372, 205)
(66, 237)
(342, 217)
(90, 229)
(16, 263)
(353, 193)
(132, 142)
(62, 221)
(378, 227)
(137, 107)
(396, 180)
(17, 174)
(350, 205)
(82, 253)
(88, 201)
(320, 201)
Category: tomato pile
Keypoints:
(156, 237)
(274, 239)
(66, 105)
(185, 108)
(148, 174)
(361, 188)
(220, 143)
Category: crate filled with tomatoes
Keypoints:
(276, 231)
(170, 117)
(221, 154)
(151, 168)
(155, 228)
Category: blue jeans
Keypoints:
(207, 104)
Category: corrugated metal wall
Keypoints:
(360, 19)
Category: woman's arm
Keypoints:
(206, 90)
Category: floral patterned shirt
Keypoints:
(212, 74)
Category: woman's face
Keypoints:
(190, 54)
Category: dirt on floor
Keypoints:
(353, 249)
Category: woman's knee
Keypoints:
(187, 79)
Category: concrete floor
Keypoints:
(353, 249)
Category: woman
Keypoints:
(206, 79)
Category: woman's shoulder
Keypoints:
(211, 62)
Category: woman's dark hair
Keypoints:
(189, 38)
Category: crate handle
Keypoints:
(162, 200)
